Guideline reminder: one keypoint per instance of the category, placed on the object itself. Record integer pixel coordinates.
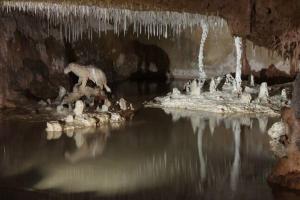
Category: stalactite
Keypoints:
(81, 18)
(238, 71)
(202, 74)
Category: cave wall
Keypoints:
(31, 61)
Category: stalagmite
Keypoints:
(212, 86)
(238, 71)
(195, 88)
(263, 94)
(283, 94)
(79, 106)
(202, 74)
(252, 83)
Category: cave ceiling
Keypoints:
(262, 21)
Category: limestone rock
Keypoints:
(116, 118)
(277, 130)
(69, 119)
(246, 98)
(286, 172)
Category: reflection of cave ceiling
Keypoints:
(263, 22)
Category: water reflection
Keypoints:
(234, 174)
(179, 154)
(239, 126)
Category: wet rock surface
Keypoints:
(286, 172)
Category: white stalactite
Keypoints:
(238, 71)
(202, 74)
(76, 20)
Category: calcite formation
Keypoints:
(226, 100)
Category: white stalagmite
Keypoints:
(202, 74)
(195, 88)
(252, 82)
(79, 106)
(238, 71)
(284, 94)
(212, 86)
(263, 94)
(76, 20)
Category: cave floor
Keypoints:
(160, 154)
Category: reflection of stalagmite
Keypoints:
(263, 123)
(202, 74)
(238, 71)
(201, 128)
(212, 125)
(234, 174)
(89, 146)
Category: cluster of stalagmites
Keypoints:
(223, 96)
(103, 110)
(82, 120)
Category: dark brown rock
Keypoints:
(286, 172)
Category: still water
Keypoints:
(158, 155)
